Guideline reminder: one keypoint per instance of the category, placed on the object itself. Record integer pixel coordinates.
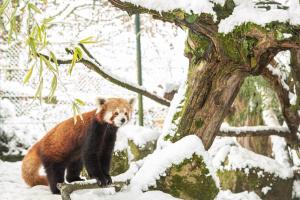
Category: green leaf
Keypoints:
(41, 69)
(34, 8)
(12, 23)
(48, 64)
(76, 112)
(79, 53)
(88, 40)
(80, 102)
(38, 93)
(3, 6)
(53, 87)
(28, 75)
(48, 20)
(54, 59)
(32, 46)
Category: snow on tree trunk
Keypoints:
(212, 85)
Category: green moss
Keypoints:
(141, 152)
(224, 11)
(239, 181)
(199, 123)
(119, 163)
(11, 158)
(189, 180)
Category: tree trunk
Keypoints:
(212, 86)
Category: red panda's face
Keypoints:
(115, 111)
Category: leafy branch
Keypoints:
(94, 65)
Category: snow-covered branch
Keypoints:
(94, 65)
(253, 131)
(290, 114)
(67, 188)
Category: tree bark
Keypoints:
(211, 91)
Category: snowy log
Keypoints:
(95, 66)
(67, 188)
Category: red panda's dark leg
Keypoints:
(55, 174)
(90, 151)
(107, 151)
(73, 171)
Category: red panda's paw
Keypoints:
(108, 178)
(103, 181)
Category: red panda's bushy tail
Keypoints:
(30, 168)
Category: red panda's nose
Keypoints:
(123, 120)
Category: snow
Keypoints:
(13, 187)
(266, 189)
(170, 125)
(247, 11)
(279, 145)
(237, 130)
(192, 6)
(296, 189)
(157, 163)
(240, 158)
(138, 134)
(227, 195)
(244, 11)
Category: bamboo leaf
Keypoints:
(54, 59)
(28, 75)
(79, 53)
(32, 46)
(12, 23)
(34, 8)
(38, 93)
(4, 6)
(74, 60)
(48, 64)
(80, 102)
(53, 87)
(41, 69)
(48, 20)
(88, 40)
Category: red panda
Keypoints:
(69, 146)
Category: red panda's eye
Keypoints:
(116, 113)
(126, 113)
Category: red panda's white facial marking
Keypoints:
(115, 111)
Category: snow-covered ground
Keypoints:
(13, 188)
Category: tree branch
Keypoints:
(290, 114)
(203, 25)
(67, 188)
(95, 66)
(253, 131)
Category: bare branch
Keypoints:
(96, 67)
(67, 188)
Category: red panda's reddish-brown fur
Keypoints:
(54, 145)
(63, 142)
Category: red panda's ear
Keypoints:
(99, 103)
(131, 101)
